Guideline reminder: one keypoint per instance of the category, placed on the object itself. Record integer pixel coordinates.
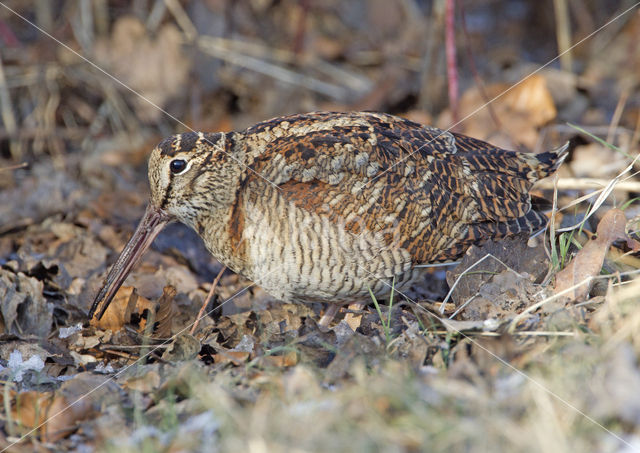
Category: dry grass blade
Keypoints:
(604, 194)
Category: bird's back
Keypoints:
(429, 192)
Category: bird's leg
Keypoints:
(354, 319)
(207, 299)
(329, 314)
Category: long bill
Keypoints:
(150, 225)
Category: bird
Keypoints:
(333, 207)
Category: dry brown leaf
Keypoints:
(596, 161)
(533, 99)
(183, 347)
(32, 409)
(165, 313)
(521, 111)
(145, 383)
(588, 262)
(131, 52)
(124, 304)
(235, 357)
(289, 358)
(353, 320)
(23, 308)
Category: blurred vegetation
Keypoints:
(88, 87)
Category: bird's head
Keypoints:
(192, 176)
(192, 173)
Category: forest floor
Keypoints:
(527, 344)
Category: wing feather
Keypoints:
(429, 191)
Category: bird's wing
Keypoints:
(432, 192)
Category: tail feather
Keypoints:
(549, 161)
(532, 222)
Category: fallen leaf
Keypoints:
(503, 295)
(124, 304)
(30, 409)
(184, 347)
(57, 414)
(165, 313)
(23, 307)
(235, 357)
(520, 111)
(588, 262)
(130, 52)
(147, 382)
(78, 399)
(477, 358)
(289, 358)
(594, 160)
(353, 319)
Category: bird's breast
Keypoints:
(294, 253)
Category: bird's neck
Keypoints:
(220, 238)
(220, 219)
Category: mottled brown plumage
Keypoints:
(323, 206)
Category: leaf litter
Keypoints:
(261, 375)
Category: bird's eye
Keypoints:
(177, 166)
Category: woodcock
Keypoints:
(325, 206)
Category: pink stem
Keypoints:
(452, 70)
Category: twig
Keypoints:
(452, 70)
(201, 313)
(474, 69)
(463, 306)
(563, 34)
(14, 167)
(523, 333)
(182, 18)
(430, 61)
(635, 137)
(156, 15)
(617, 113)
(74, 133)
(213, 48)
(604, 194)
(82, 26)
(353, 81)
(595, 130)
(6, 110)
(589, 183)
(44, 14)
(49, 116)
(101, 17)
